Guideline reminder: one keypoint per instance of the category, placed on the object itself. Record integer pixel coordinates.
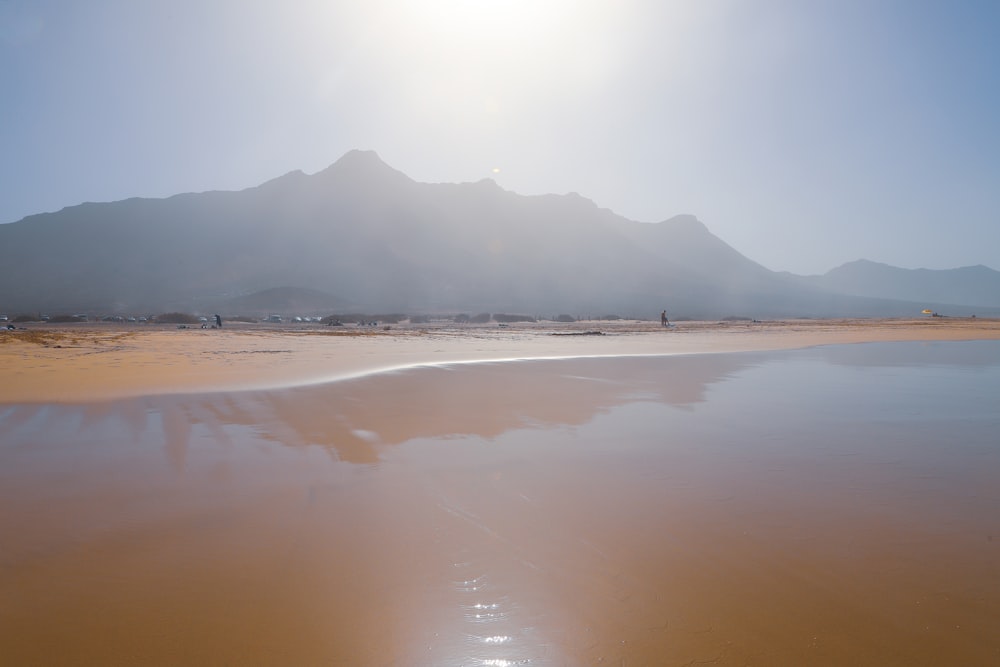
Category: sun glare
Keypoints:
(476, 20)
(482, 63)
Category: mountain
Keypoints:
(969, 285)
(361, 236)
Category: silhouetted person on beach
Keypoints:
(663, 319)
(218, 321)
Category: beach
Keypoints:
(67, 363)
(733, 493)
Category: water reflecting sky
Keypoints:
(836, 505)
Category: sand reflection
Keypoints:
(794, 508)
(485, 400)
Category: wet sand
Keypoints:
(73, 363)
(825, 506)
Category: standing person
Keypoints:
(663, 319)
(218, 321)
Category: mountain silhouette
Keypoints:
(969, 285)
(361, 236)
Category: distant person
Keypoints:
(663, 319)
(218, 321)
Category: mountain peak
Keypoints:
(364, 166)
(360, 158)
(686, 219)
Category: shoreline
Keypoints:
(82, 363)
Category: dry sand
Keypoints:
(67, 363)
(475, 515)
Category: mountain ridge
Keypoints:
(379, 240)
(970, 286)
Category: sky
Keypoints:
(804, 133)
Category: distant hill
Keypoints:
(361, 236)
(977, 286)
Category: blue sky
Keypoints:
(805, 133)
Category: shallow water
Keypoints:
(830, 506)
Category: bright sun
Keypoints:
(497, 55)
(474, 20)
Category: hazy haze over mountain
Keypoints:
(360, 235)
(969, 285)
(805, 134)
